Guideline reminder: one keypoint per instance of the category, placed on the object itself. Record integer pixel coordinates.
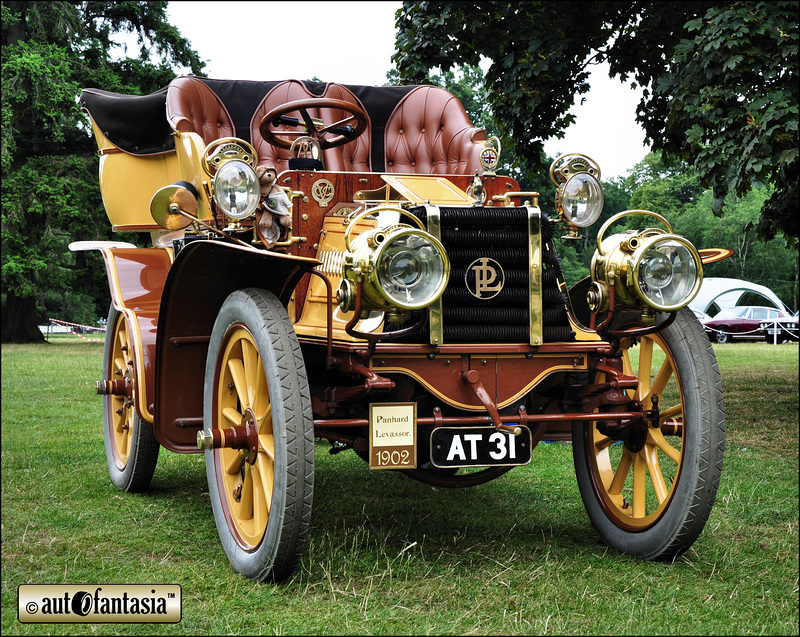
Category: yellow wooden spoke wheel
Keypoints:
(257, 396)
(649, 491)
(131, 445)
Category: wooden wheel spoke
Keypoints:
(265, 420)
(266, 443)
(615, 488)
(235, 465)
(676, 411)
(236, 369)
(232, 416)
(603, 443)
(645, 367)
(655, 437)
(261, 404)
(265, 470)
(246, 501)
(664, 374)
(639, 486)
(650, 455)
(251, 364)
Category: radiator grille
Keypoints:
(500, 234)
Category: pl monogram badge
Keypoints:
(485, 278)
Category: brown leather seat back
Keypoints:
(429, 132)
(192, 107)
(352, 156)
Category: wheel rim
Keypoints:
(635, 488)
(245, 478)
(122, 415)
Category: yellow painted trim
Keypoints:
(505, 403)
(142, 406)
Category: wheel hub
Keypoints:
(632, 432)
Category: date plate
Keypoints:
(479, 447)
(393, 436)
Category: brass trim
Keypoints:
(436, 313)
(506, 198)
(323, 191)
(621, 215)
(397, 369)
(536, 330)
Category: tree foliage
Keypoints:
(50, 51)
(676, 190)
(720, 80)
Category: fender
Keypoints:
(203, 275)
(136, 278)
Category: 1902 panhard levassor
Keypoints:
(342, 262)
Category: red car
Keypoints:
(740, 322)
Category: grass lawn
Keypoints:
(385, 554)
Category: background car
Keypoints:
(780, 329)
(740, 322)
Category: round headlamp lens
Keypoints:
(236, 189)
(412, 270)
(582, 199)
(668, 274)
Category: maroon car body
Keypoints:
(741, 322)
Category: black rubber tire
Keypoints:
(269, 548)
(672, 527)
(132, 454)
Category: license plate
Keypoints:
(479, 447)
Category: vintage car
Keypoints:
(743, 322)
(342, 263)
(780, 329)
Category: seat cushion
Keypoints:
(192, 107)
(429, 132)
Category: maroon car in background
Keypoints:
(780, 329)
(740, 322)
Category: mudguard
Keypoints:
(202, 277)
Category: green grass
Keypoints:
(385, 554)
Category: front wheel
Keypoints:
(255, 381)
(653, 500)
(131, 445)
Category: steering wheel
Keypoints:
(344, 131)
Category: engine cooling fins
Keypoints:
(501, 236)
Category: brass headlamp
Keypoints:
(579, 195)
(401, 268)
(231, 164)
(646, 269)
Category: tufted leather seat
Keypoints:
(429, 132)
(192, 107)
(352, 156)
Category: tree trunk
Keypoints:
(19, 320)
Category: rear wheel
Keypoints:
(721, 335)
(256, 381)
(652, 500)
(131, 445)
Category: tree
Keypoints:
(720, 79)
(675, 191)
(50, 50)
